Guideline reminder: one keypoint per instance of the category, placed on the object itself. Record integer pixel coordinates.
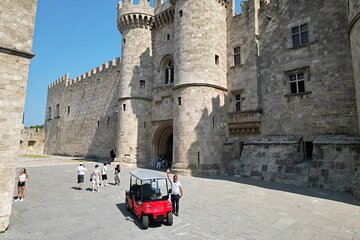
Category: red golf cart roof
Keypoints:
(146, 174)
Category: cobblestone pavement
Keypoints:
(212, 208)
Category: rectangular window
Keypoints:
(108, 120)
(237, 103)
(57, 110)
(237, 59)
(180, 13)
(98, 123)
(124, 41)
(168, 37)
(179, 101)
(297, 83)
(300, 35)
(142, 83)
(217, 59)
(68, 112)
(49, 113)
(124, 107)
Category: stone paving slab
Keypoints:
(212, 208)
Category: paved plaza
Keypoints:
(212, 208)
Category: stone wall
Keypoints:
(32, 141)
(16, 30)
(354, 35)
(328, 105)
(87, 119)
(283, 159)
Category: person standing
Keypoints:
(176, 192)
(117, 174)
(104, 175)
(95, 177)
(81, 175)
(112, 155)
(22, 179)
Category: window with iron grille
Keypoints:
(300, 35)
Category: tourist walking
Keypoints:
(104, 175)
(117, 174)
(80, 175)
(22, 179)
(95, 177)
(176, 192)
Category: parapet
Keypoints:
(131, 15)
(354, 12)
(67, 82)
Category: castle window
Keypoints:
(124, 107)
(179, 101)
(31, 143)
(300, 35)
(217, 59)
(297, 83)
(181, 13)
(57, 110)
(169, 72)
(308, 150)
(124, 41)
(49, 113)
(68, 112)
(237, 103)
(236, 56)
(168, 37)
(108, 120)
(142, 83)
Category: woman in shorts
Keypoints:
(22, 179)
(95, 177)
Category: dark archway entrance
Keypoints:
(163, 141)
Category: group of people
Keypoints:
(162, 162)
(98, 176)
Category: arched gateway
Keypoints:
(163, 141)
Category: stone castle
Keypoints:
(270, 93)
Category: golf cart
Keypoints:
(148, 197)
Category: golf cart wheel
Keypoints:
(169, 218)
(145, 221)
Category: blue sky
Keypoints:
(71, 36)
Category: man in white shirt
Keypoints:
(176, 192)
(81, 174)
(104, 175)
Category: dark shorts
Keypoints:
(80, 178)
(21, 184)
(104, 177)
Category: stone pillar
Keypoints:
(16, 30)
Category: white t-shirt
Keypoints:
(175, 187)
(104, 170)
(81, 170)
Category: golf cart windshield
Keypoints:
(154, 189)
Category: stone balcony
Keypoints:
(245, 123)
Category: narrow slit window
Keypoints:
(181, 13)
(168, 37)
(237, 103)
(98, 123)
(68, 110)
(179, 101)
(142, 84)
(108, 120)
(237, 56)
(124, 107)
(124, 41)
(217, 59)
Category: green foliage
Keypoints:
(37, 126)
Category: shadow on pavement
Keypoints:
(302, 190)
(130, 216)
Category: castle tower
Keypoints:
(134, 22)
(199, 85)
(354, 35)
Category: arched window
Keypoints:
(169, 72)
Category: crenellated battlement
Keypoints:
(93, 72)
(165, 16)
(131, 15)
